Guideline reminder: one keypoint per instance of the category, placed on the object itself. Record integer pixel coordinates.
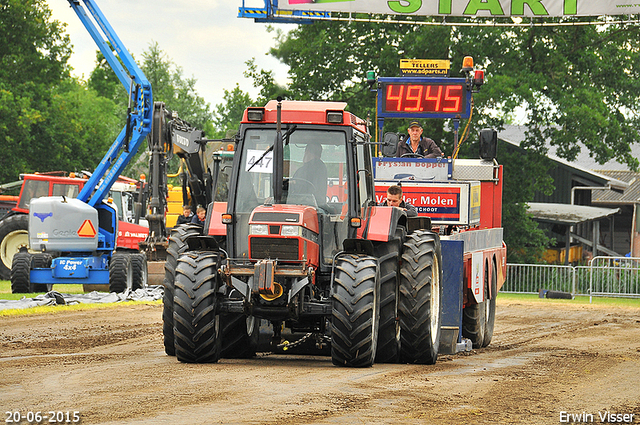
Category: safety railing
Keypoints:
(603, 276)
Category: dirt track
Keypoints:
(110, 366)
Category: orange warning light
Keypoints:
(87, 230)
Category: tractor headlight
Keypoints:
(259, 229)
(288, 230)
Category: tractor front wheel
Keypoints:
(196, 325)
(420, 300)
(238, 336)
(355, 311)
(388, 253)
(177, 245)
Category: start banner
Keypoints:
(472, 8)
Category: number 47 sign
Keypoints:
(264, 164)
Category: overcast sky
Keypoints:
(204, 37)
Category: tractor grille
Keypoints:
(274, 248)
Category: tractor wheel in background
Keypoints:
(14, 234)
(140, 274)
(355, 311)
(238, 336)
(474, 318)
(388, 253)
(176, 246)
(120, 273)
(420, 299)
(490, 311)
(196, 326)
(41, 261)
(20, 273)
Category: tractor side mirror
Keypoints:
(488, 143)
(390, 144)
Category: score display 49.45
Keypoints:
(425, 98)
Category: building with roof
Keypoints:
(589, 208)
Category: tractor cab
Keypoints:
(293, 199)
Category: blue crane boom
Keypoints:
(139, 113)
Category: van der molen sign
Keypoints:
(471, 8)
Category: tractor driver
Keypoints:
(314, 171)
(417, 145)
(394, 199)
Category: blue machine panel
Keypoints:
(452, 302)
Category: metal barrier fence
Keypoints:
(603, 277)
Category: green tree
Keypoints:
(265, 81)
(227, 115)
(177, 92)
(33, 60)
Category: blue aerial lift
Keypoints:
(76, 237)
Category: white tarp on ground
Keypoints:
(471, 8)
(150, 293)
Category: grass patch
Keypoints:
(53, 309)
(5, 291)
(579, 299)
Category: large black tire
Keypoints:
(355, 311)
(388, 253)
(177, 245)
(20, 273)
(196, 326)
(490, 311)
(474, 318)
(139, 272)
(120, 273)
(41, 261)
(14, 234)
(239, 336)
(420, 299)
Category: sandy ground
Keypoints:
(546, 362)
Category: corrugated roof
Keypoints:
(631, 195)
(584, 159)
(567, 214)
(514, 134)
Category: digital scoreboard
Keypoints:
(423, 97)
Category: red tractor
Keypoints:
(303, 254)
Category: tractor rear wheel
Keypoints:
(388, 253)
(490, 311)
(120, 273)
(355, 311)
(196, 326)
(14, 234)
(140, 274)
(474, 317)
(238, 336)
(177, 245)
(420, 298)
(20, 273)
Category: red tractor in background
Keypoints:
(14, 225)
